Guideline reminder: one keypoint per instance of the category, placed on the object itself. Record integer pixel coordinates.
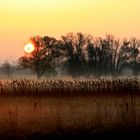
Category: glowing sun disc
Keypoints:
(29, 48)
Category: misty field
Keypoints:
(51, 109)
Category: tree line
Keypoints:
(82, 55)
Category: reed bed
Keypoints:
(64, 87)
(105, 107)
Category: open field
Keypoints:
(34, 109)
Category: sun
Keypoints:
(29, 48)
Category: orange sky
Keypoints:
(21, 19)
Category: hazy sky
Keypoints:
(21, 19)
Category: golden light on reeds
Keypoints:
(29, 48)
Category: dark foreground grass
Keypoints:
(65, 136)
(88, 117)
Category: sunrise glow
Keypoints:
(29, 48)
(21, 19)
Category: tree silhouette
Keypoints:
(7, 68)
(43, 57)
(106, 56)
(134, 58)
(83, 55)
(73, 47)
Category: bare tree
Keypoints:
(134, 58)
(73, 47)
(7, 68)
(43, 57)
(83, 55)
(107, 56)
